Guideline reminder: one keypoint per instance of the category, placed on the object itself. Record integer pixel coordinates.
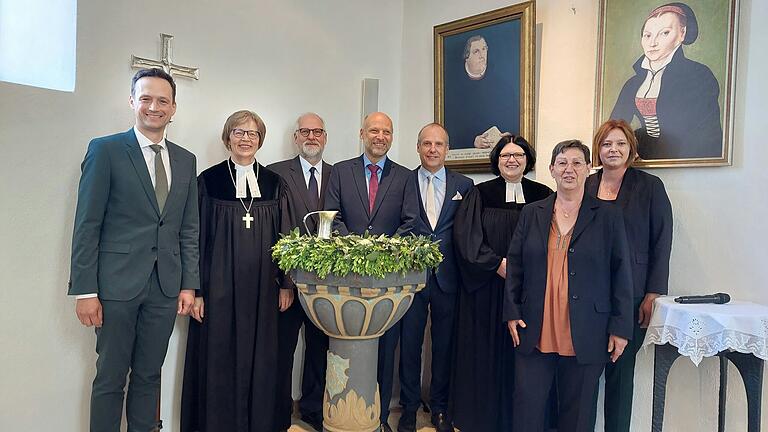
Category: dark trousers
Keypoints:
(386, 369)
(134, 336)
(442, 306)
(315, 355)
(577, 385)
(620, 382)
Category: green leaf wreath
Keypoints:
(366, 255)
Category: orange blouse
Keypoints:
(556, 326)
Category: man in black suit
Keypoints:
(438, 193)
(307, 178)
(369, 191)
(135, 253)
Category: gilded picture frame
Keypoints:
(484, 82)
(669, 70)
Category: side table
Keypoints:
(736, 332)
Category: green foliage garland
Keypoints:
(365, 255)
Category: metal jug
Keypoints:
(324, 224)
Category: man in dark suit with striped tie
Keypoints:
(307, 178)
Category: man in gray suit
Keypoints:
(135, 253)
(307, 177)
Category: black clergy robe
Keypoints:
(231, 360)
(484, 363)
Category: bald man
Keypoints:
(369, 191)
(438, 192)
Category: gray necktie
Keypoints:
(161, 179)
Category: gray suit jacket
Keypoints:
(119, 230)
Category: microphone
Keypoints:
(719, 298)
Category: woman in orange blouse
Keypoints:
(568, 296)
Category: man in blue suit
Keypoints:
(135, 253)
(439, 192)
(369, 191)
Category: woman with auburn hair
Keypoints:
(230, 378)
(648, 223)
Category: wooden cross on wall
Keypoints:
(165, 63)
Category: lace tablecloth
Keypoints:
(703, 330)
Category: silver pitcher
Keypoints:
(324, 224)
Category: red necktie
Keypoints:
(373, 186)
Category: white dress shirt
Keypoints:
(305, 167)
(149, 155)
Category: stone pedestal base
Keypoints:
(351, 402)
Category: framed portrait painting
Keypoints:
(484, 82)
(668, 70)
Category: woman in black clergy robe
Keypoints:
(231, 362)
(484, 368)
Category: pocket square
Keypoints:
(457, 197)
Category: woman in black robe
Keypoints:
(231, 360)
(484, 368)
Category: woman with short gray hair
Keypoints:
(568, 296)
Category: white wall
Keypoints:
(719, 212)
(278, 58)
(281, 58)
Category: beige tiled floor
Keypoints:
(422, 422)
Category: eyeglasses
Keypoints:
(239, 133)
(561, 165)
(316, 132)
(505, 156)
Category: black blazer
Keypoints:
(290, 170)
(600, 282)
(347, 192)
(447, 272)
(648, 221)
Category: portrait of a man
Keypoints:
(476, 57)
(676, 92)
(482, 85)
(484, 82)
